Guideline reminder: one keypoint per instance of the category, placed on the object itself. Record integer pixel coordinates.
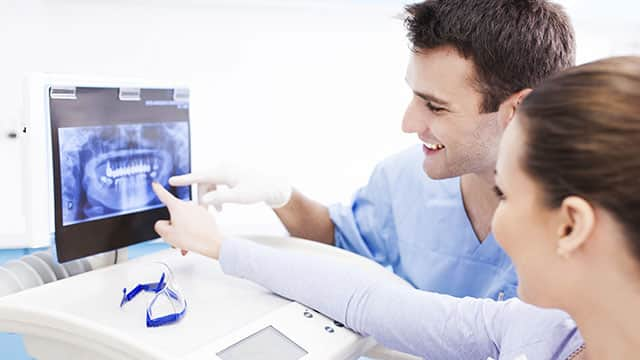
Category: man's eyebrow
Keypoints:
(429, 97)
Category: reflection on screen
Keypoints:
(108, 170)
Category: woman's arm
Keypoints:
(399, 317)
(421, 323)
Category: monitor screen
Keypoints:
(268, 343)
(105, 171)
(106, 153)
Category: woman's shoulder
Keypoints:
(538, 333)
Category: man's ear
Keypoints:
(508, 108)
(576, 225)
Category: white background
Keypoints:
(313, 90)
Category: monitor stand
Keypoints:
(108, 258)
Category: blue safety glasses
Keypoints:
(167, 306)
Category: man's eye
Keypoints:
(435, 108)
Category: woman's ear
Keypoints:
(508, 108)
(576, 225)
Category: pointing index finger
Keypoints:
(186, 179)
(165, 196)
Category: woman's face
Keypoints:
(522, 225)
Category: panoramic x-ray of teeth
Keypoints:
(108, 170)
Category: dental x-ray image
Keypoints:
(108, 170)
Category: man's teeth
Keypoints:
(434, 146)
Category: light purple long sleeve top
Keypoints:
(426, 324)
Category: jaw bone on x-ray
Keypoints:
(108, 170)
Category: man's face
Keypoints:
(445, 114)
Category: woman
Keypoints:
(567, 176)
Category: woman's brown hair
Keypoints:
(582, 130)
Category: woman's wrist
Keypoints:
(213, 250)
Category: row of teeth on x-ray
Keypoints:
(116, 170)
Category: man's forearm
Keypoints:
(307, 219)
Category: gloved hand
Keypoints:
(244, 186)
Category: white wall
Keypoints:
(288, 85)
(605, 28)
(310, 89)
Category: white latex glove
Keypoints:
(245, 186)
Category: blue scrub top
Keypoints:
(419, 228)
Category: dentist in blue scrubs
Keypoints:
(426, 212)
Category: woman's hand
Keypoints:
(190, 227)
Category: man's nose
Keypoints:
(413, 122)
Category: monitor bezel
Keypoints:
(74, 241)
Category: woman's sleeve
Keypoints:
(426, 324)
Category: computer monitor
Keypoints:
(108, 145)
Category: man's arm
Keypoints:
(355, 228)
(307, 219)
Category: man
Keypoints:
(426, 212)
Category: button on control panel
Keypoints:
(327, 328)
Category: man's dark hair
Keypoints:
(514, 44)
